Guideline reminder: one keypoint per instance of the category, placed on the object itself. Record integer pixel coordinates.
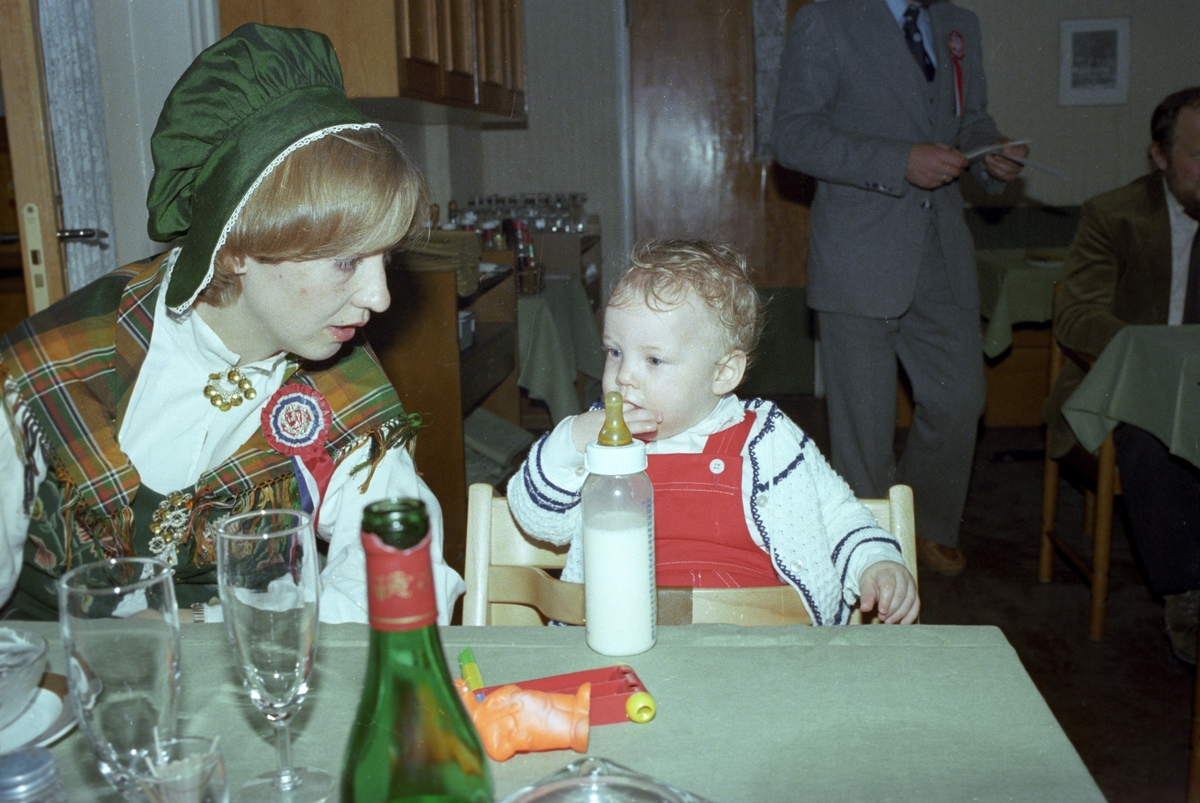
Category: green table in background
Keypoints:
(1147, 376)
(557, 337)
(1016, 285)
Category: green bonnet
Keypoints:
(242, 106)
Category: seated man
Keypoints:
(1129, 264)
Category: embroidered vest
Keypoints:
(75, 365)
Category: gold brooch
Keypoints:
(229, 390)
(168, 525)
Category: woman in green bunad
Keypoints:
(228, 374)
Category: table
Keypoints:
(744, 714)
(557, 337)
(1147, 376)
(1013, 289)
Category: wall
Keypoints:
(576, 68)
(143, 46)
(576, 85)
(1100, 147)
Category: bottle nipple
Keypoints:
(614, 432)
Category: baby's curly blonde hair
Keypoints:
(660, 272)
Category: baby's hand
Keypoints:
(642, 423)
(889, 585)
(586, 427)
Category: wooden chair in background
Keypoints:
(1101, 484)
(508, 581)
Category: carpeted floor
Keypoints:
(1124, 702)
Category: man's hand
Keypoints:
(586, 427)
(932, 165)
(889, 585)
(1003, 169)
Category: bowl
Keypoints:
(22, 662)
(598, 780)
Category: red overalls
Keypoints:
(700, 534)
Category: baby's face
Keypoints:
(664, 360)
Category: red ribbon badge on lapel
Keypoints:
(958, 51)
(296, 423)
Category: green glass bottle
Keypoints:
(412, 739)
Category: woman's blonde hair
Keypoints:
(352, 192)
(660, 272)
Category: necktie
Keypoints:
(1191, 303)
(912, 35)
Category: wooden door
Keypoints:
(693, 125)
(35, 178)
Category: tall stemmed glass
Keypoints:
(120, 631)
(267, 570)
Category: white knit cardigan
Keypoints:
(819, 536)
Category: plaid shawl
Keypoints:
(75, 365)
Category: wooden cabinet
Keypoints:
(416, 340)
(572, 253)
(435, 40)
(468, 54)
(501, 51)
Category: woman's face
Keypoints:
(307, 308)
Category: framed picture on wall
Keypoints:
(1093, 62)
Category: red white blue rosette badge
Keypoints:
(295, 419)
(296, 422)
(958, 51)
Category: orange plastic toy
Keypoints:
(618, 694)
(513, 720)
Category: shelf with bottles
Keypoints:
(547, 232)
(495, 216)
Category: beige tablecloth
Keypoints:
(745, 715)
(1147, 376)
(557, 336)
(1015, 286)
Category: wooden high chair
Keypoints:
(508, 583)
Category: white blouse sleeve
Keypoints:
(344, 580)
(14, 519)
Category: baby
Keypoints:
(742, 497)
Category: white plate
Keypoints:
(47, 719)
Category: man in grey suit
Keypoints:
(879, 100)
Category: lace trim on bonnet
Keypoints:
(300, 143)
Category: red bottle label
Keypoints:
(400, 592)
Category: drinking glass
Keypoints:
(189, 769)
(120, 631)
(267, 566)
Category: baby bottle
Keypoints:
(618, 540)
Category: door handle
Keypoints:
(80, 234)
(10, 237)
